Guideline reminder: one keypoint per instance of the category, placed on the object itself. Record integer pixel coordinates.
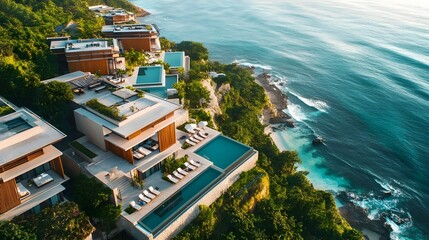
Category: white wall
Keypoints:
(93, 131)
(180, 223)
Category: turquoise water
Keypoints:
(222, 151)
(177, 202)
(149, 75)
(175, 59)
(355, 72)
(161, 92)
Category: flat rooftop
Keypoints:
(139, 111)
(130, 28)
(23, 132)
(78, 45)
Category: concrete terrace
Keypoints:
(105, 162)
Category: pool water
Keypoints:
(153, 222)
(161, 92)
(149, 75)
(174, 59)
(223, 151)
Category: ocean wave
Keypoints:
(388, 188)
(317, 104)
(296, 112)
(244, 62)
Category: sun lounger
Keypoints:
(144, 199)
(197, 137)
(154, 191)
(190, 142)
(148, 194)
(194, 140)
(42, 179)
(203, 134)
(194, 163)
(198, 129)
(22, 191)
(189, 166)
(173, 179)
(181, 171)
(144, 151)
(138, 155)
(135, 205)
(178, 175)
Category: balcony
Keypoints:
(37, 194)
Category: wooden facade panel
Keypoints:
(127, 155)
(102, 66)
(57, 166)
(167, 137)
(135, 134)
(35, 154)
(138, 44)
(9, 197)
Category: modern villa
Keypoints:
(31, 170)
(113, 15)
(140, 37)
(131, 136)
(89, 55)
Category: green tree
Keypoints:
(167, 44)
(134, 58)
(93, 198)
(197, 94)
(12, 231)
(195, 50)
(54, 99)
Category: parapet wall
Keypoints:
(179, 224)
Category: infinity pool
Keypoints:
(223, 151)
(149, 75)
(161, 216)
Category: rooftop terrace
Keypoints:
(23, 132)
(129, 28)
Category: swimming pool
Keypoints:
(161, 92)
(223, 151)
(162, 214)
(149, 75)
(174, 59)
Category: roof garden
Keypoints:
(120, 104)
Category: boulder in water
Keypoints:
(317, 140)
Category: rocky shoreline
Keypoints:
(275, 119)
(273, 113)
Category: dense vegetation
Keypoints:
(272, 201)
(62, 221)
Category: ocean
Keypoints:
(355, 72)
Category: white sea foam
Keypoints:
(296, 112)
(244, 62)
(318, 104)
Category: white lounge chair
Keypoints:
(148, 194)
(197, 137)
(138, 155)
(190, 142)
(144, 151)
(22, 191)
(178, 175)
(154, 191)
(189, 166)
(144, 199)
(173, 179)
(203, 134)
(183, 172)
(194, 140)
(135, 205)
(194, 163)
